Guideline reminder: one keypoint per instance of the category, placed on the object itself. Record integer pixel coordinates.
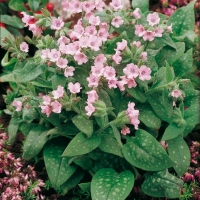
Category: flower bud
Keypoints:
(121, 120)
(100, 108)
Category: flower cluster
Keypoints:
(16, 180)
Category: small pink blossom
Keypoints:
(26, 18)
(65, 5)
(90, 30)
(136, 13)
(94, 43)
(58, 93)
(56, 107)
(17, 104)
(176, 93)
(93, 80)
(69, 71)
(117, 57)
(99, 4)
(80, 58)
(24, 47)
(92, 96)
(121, 46)
(84, 41)
(45, 53)
(136, 43)
(46, 99)
(56, 23)
(36, 30)
(54, 55)
(75, 6)
(88, 6)
(109, 73)
(97, 70)
(78, 30)
(46, 110)
(131, 70)
(62, 63)
(169, 28)
(89, 109)
(125, 130)
(139, 30)
(153, 19)
(131, 83)
(94, 20)
(116, 5)
(149, 35)
(63, 39)
(158, 32)
(74, 88)
(143, 55)
(144, 73)
(117, 21)
(100, 59)
(112, 83)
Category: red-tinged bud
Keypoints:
(38, 12)
(49, 63)
(2, 25)
(20, 15)
(50, 7)
(32, 21)
(27, 106)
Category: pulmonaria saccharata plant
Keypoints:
(105, 96)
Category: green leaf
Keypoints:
(148, 117)
(85, 187)
(83, 124)
(26, 128)
(145, 152)
(103, 96)
(29, 72)
(29, 114)
(110, 145)
(81, 76)
(192, 97)
(108, 184)
(186, 63)
(116, 134)
(34, 4)
(172, 131)
(58, 169)
(169, 73)
(137, 94)
(17, 5)
(6, 62)
(3, 33)
(34, 142)
(72, 181)
(179, 152)
(81, 145)
(183, 19)
(191, 114)
(58, 79)
(83, 161)
(53, 119)
(162, 184)
(41, 83)
(12, 129)
(142, 5)
(12, 20)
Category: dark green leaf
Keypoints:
(17, 5)
(12, 20)
(143, 5)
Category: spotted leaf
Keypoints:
(107, 184)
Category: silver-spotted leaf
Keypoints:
(107, 184)
(162, 184)
(145, 152)
(81, 145)
(58, 169)
(179, 152)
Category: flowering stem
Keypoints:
(103, 128)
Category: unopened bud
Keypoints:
(100, 108)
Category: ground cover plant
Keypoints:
(107, 101)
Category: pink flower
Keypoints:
(131, 83)
(54, 55)
(144, 73)
(188, 177)
(116, 5)
(131, 70)
(46, 110)
(99, 5)
(169, 28)
(153, 19)
(121, 46)
(56, 23)
(17, 104)
(65, 5)
(136, 13)
(176, 93)
(197, 174)
(125, 130)
(136, 43)
(74, 88)
(27, 18)
(45, 53)
(80, 58)
(58, 93)
(112, 83)
(36, 30)
(139, 30)
(117, 57)
(78, 30)
(90, 30)
(109, 73)
(164, 144)
(63, 39)
(56, 107)
(94, 43)
(92, 96)
(97, 70)
(89, 109)
(148, 35)
(84, 41)
(69, 71)
(24, 47)
(117, 21)
(62, 63)
(93, 80)
(94, 20)
(143, 55)
(75, 6)
(100, 59)
(46, 100)
(158, 32)
(88, 6)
